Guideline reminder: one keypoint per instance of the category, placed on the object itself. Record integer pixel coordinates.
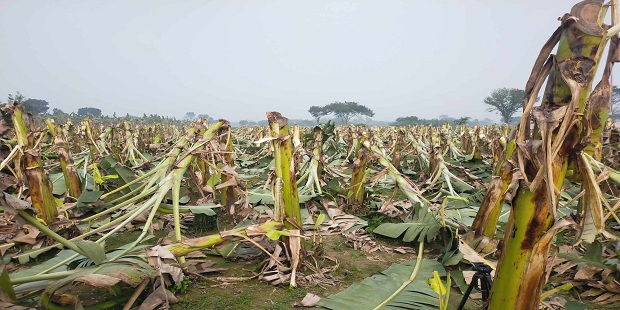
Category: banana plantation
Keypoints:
(131, 215)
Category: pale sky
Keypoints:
(238, 59)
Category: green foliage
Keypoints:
(32, 106)
(506, 101)
(5, 283)
(181, 287)
(190, 116)
(36, 106)
(18, 97)
(380, 288)
(423, 226)
(89, 112)
(318, 112)
(346, 110)
(342, 110)
(462, 120)
(414, 120)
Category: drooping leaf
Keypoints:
(184, 199)
(94, 250)
(61, 256)
(276, 234)
(58, 183)
(88, 197)
(207, 210)
(117, 279)
(594, 252)
(379, 288)
(423, 226)
(6, 288)
(264, 196)
(451, 253)
(436, 284)
(111, 166)
(319, 220)
(465, 215)
(459, 280)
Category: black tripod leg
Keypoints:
(474, 280)
(485, 288)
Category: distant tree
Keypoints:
(414, 120)
(59, 115)
(246, 122)
(89, 112)
(462, 120)
(506, 101)
(486, 121)
(407, 120)
(207, 117)
(615, 102)
(32, 106)
(346, 110)
(318, 112)
(190, 116)
(36, 106)
(18, 97)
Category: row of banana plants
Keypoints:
(503, 192)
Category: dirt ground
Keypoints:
(354, 266)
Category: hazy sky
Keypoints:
(238, 59)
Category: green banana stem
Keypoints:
(39, 184)
(69, 171)
(285, 167)
(355, 196)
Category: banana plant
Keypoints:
(545, 151)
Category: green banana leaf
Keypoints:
(377, 289)
(423, 226)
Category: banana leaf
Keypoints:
(264, 196)
(377, 289)
(423, 226)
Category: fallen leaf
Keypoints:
(309, 301)
(98, 280)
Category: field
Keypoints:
(131, 213)
(369, 197)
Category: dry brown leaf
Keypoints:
(30, 237)
(10, 306)
(295, 246)
(164, 262)
(361, 240)
(592, 292)
(159, 299)
(468, 275)
(564, 266)
(200, 266)
(472, 256)
(13, 204)
(7, 181)
(98, 280)
(607, 298)
(586, 273)
(309, 301)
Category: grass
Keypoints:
(254, 294)
(258, 295)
